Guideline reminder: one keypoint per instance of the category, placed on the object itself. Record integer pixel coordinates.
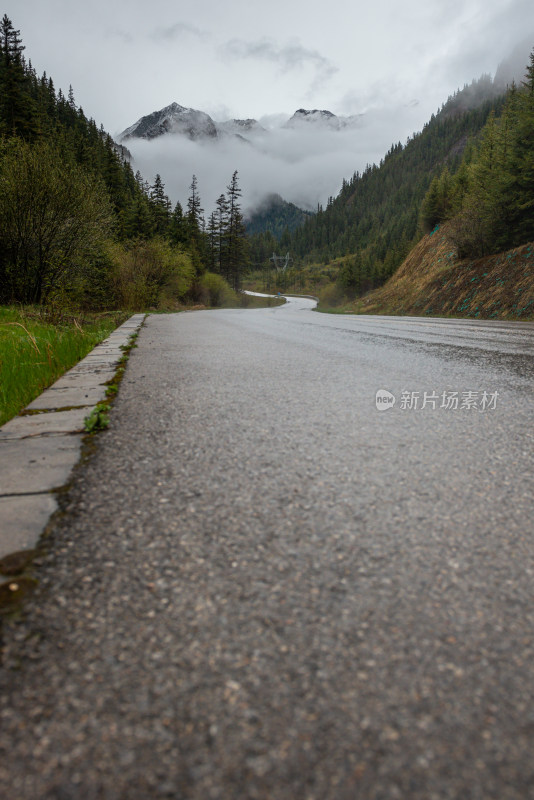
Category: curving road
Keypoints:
(264, 587)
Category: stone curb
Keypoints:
(38, 450)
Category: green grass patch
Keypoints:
(98, 419)
(38, 345)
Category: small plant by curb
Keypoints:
(112, 390)
(98, 419)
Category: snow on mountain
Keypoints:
(197, 125)
(321, 119)
(241, 126)
(173, 119)
(314, 117)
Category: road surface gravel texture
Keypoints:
(261, 586)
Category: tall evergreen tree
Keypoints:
(221, 223)
(236, 237)
(195, 212)
(161, 207)
(518, 190)
(178, 230)
(16, 103)
(212, 243)
(196, 225)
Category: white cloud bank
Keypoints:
(305, 165)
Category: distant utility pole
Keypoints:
(280, 263)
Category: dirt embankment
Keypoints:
(433, 281)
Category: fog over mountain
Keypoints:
(394, 63)
(304, 157)
(304, 169)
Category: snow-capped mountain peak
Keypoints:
(241, 126)
(197, 125)
(172, 119)
(316, 117)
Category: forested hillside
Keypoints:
(276, 216)
(77, 224)
(375, 217)
(477, 257)
(489, 201)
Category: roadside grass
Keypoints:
(231, 299)
(307, 279)
(37, 345)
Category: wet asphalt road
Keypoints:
(263, 587)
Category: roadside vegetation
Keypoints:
(79, 228)
(38, 345)
(489, 201)
(85, 242)
(470, 169)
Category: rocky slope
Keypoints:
(433, 281)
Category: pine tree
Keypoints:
(71, 100)
(430, 210)
(196, 225)
(236, 237)
(195, 212)
(17, 107)
(212, 243)
(178, 230)
(161, 207)
(518, 189)
(221, 222)
(138, 220)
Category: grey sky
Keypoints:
(397, 62)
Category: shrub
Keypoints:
(331, 296)
(148, 274)
(214, 291)
(54, 218)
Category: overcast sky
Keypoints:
(395, 61)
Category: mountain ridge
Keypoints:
(196, 124)
(321, 118)
(173, 118)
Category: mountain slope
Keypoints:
(433, 281)
(172, 119)
(376, 213)
(276, 216)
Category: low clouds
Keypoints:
(305, 165)
(346, 57)
(288, 57)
